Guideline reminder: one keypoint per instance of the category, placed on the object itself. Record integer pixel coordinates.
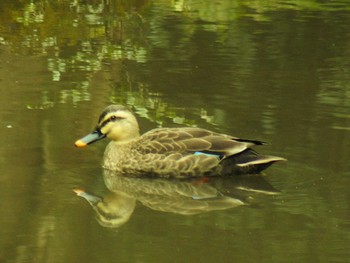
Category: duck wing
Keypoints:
(192, 140)
(183, 152)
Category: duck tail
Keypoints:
(249, 162)
(256, 142)
(258, 165)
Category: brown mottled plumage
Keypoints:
(172, 152)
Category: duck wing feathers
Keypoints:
(192, 140)
(186, 152)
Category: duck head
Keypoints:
(117, 123)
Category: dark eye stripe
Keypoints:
(112, 118)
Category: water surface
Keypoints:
(277, 72)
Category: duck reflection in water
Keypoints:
(185, 197)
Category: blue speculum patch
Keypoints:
(209, 154)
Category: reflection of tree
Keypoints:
(94, 34)
(199, 43)
(74, 37)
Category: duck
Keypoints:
(180, 152)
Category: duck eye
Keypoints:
(114, 118)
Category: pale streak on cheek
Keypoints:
(104, 129)
(113, 131)
(116, 133)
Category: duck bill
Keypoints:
(96, 135)
(92, 199)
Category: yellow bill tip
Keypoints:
(80, 143)
(78, 191)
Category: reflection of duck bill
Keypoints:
(92, 199)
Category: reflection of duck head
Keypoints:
(113, 210)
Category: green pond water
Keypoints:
(277, 71)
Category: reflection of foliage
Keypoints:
(85, 36)
(152, 105)
(213, 11)
(92, 33)
(73, 35)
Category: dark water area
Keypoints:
(276, 71)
